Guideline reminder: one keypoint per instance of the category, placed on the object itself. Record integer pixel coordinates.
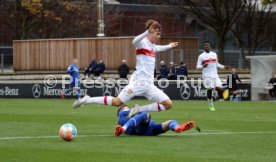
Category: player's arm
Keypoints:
(70, 69)
(140, 37)
(199, 63)
(166, 47)
(219, 65)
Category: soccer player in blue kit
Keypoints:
(142, 124)
(73, 70)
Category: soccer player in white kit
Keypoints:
(208, 62)
(141, 82)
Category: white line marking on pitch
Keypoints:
(109, 135)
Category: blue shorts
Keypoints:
(74, 82)
(154, 129)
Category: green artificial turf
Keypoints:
(243, 131)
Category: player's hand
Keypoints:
(227, 67)
(173, 44)
(154, 27)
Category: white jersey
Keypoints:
(211, 59)
(145, 57)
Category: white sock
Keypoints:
(104, 100)
(125, 127)
(152, 107)
(210, 103)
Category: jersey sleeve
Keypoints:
(199, 62)
(218, 64)
(140, 37)
(70, 69)
(162, 47)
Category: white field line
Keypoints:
(109, 135)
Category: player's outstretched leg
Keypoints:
(155, 107)
(79, 102)
(119, 130)
(103, 100)
(132, 122)
(185, 126)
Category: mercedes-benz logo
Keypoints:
(185, 91)
(107, 90)
(36, 90)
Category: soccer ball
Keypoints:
(68, 132)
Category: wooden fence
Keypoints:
(57, 54)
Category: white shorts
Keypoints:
(212, 82)
(150, 91)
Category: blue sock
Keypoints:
(78, 94)
(173, 124)
(136, 120)
(67, 91)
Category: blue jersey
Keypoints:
(73, 70)
(145, 127)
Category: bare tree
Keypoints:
(51, 19)
(252, 28)
(216, 15)
(58, 19)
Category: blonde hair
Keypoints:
(156, 26)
